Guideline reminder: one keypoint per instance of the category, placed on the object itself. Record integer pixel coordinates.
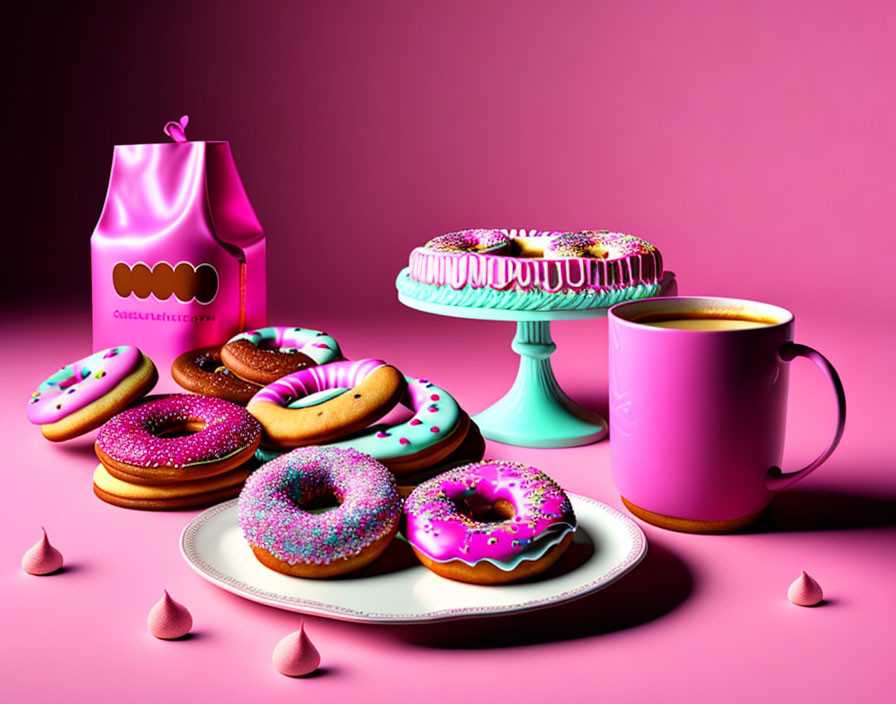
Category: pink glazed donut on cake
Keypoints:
(489, 522)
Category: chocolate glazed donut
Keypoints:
(263, 355)
(262, 366)
(202, 372)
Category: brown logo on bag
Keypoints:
(184, 281)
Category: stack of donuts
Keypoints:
(165, 452)
(174, 452)
(337, 405)
(251, 360)
(310, 440)
(297, 384)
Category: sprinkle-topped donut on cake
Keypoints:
(532, 269)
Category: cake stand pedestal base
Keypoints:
(536, 412)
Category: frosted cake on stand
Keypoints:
(532, 270)
(532, 277)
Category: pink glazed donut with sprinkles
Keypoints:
(476, 240)
(274, 516)
(489, 522)
(175, 438)
(85, 394)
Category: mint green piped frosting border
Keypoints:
(510, 299)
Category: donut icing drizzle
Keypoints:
(436, 415)
(542, 515)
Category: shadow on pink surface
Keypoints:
(834, 508)
(656, 587)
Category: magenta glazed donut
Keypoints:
(489, 522)
(177, 438)
(287, 537)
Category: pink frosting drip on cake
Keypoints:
(630, 261)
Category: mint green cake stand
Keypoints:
(535, 412)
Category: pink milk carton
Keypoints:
(178, 256)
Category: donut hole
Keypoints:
(322, 502)
(210, 363)
(177, 428)
(478, 509)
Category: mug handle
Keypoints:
(776, 479)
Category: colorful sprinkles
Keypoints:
(470, 241)
(271, 516)
(134, 436)
(422, 431)
(542, 514)
(92, 377)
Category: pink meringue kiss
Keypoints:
(805, 591)
(42, 558)
(169, 619)
(295, 655)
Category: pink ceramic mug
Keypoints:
(697, 416)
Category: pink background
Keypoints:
(752, 142)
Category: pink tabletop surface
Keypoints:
(753, 142)
(702, 616)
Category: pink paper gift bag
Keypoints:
(178, 255)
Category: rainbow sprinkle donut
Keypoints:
(447, 527)
(134, 448)
(288, 538)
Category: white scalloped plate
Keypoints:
(398, 589)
